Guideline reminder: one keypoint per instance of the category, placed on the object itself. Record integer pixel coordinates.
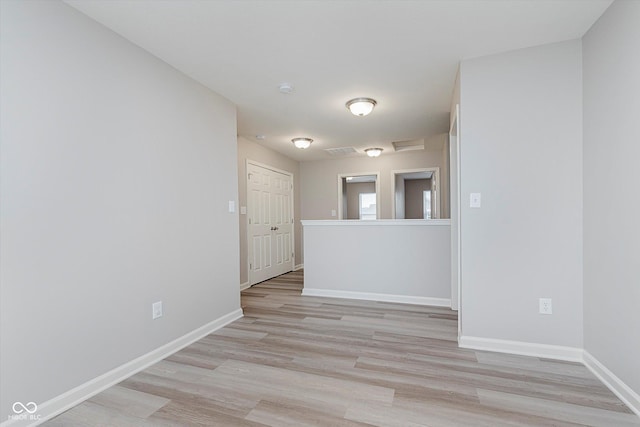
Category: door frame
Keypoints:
(293, 225)
(435, 170)
(342, 176)
(456, 232)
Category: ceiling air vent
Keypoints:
(342, 151)
(415, 144)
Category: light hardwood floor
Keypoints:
(309, 361)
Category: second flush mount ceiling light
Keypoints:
(373, 152)
(302, 143)
(361, 106)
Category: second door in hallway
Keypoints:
(270, 222)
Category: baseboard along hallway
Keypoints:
(295, 361)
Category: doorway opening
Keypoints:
(416, 193)
(359, 196)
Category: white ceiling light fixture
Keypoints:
(302, 143)
(373, 152)
(285, 88)
(361, 106)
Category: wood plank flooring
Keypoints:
(309, 361)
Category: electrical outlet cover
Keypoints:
(546, 306)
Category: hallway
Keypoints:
(297, 361)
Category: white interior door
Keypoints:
(270, 222)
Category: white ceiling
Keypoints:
(404, 54)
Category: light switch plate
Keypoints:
(333, 212)
(232, 206)
(475, 200)
(156, 310)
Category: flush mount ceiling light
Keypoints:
(373, 152)
(361, 106)
(285, 88)
(302, 142)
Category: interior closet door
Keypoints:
(270, 222)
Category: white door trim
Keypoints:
(456, 236)
(436, 172)
(293, 226)
(266, 166)
(344, 175)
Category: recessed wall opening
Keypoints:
(358, 196)
(416, 194)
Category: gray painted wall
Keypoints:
(319, 179)
(401, 258)
(611, 205)
(114, 194)
(521, 147)
(414, 197)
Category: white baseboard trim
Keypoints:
(557, 352)
(244, 286)
(73, 397)
(298, 267)
(571, 354)
(403, 299)
(615, 384)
